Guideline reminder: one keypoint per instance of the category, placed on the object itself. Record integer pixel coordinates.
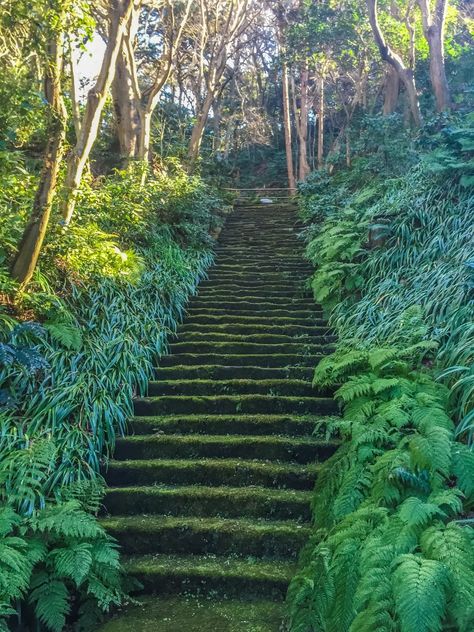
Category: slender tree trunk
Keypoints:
(433, 29)
(287, 126)
(321, 123)
(35, 231)
(120, 15)
(304, 167)
(76, 111)
(406, 74)
(391, 90)
(198, 129)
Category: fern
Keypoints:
(50, 598)
(67, 334)
(420, 586)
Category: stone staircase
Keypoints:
(211, 492)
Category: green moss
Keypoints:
(197, 614)
(232, 387)
(221, 372)
(224, 446)
(234, 359)
(234, 472)
(200, 500)
(197, 535)
(228, 424)
(210, 318)
(228, 404)
(222, 575)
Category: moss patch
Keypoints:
(197, 614)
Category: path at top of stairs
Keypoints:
(210, 494)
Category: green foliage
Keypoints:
(386, 504)
(396, 249)
(55, 560)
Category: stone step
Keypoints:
(263, 338)
(165, 574)
(214, 472)
(269, 311)
(277, 360)
(229, 299)
(229, 404)
(297, 450)
(243, 386)
(235, 424)
(209, 317)
(253, 348)
(204, 501)
(251, 331)
(207, 536)
(222, 372)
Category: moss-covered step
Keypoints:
(209, 317)
(262, 360)
(188, 613)
(205, 501)
(165, 574)
(222, 372)
(254, 298)
(252, 348)
(247, 330)
(254, 338)
(233, 387)
(235, 289)
(298, 450)
(292, 425)
(214, 472)
(246, 310)
(255, 304)
(199, 536)
(228, 404)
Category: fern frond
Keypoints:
(50, 598)
(420, 590)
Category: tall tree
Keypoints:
(34, 233)
(433, 30)
(393, 59)
(119, 16)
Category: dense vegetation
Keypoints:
(393, 546)
(118, 119)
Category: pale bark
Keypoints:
(76, 110)
(126, 106)
(35, 231)
(391, 90)
(120, 12)
(433, 29)
(302, 127)
(321, 123)
(388, 55)
(287, 126)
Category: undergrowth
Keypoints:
(393, 546)
(74, 351)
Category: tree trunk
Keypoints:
(433, 29)
(304, 168)
(127, 116)
(406, 74)
(76, 111)
(321, 123)
(35, 231)
(198, 129)
(287, 126)
(120, 15)
(392, 90)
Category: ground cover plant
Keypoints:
(393, 541)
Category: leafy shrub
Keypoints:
(56, 563)
(389, 552)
